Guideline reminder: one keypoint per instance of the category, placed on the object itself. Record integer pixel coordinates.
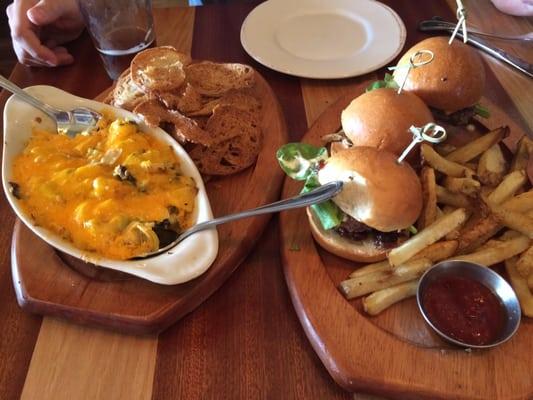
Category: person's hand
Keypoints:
(515, 7)
(39, 28)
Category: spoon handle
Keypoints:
(315, 196)
(10, 86)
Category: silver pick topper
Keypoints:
(461, 22)
(431, 133)
(414, 64)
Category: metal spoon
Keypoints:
(318, 195)
(68, 122)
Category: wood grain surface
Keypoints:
(245, 341)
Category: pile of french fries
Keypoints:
(476, 208)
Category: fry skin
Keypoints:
(497, 253)
(383, 299)
(426, 237)
(520, 286)
(441, 164)
(429, 195)
(477, 146)
(366, 284)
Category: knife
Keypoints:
(438, 25)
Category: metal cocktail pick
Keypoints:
(461, 22)
(431, 132)
(414, 64)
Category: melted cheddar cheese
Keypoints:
(104, 191)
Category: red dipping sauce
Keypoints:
(464, 309)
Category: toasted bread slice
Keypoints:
(186, 99)
(240, 98)
(180, 127)
(236, 143)
(160, 69)
(127, 94)
(215, 79)
(228, 122)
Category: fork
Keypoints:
(437, 23)
(70, 122)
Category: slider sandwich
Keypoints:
(380, 201)
(451, 85)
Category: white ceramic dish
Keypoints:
(323, 39)
(184, 262)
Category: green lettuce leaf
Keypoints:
(387, 82)
(482, 111)
(329, 215)
(300, 160)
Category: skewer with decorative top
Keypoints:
(424, 57)
(461, 22)
(431, 133)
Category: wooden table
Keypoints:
(245, 341)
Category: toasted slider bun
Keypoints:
(454, 80)
(382, 118)
(377, 191)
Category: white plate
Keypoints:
(184, 262)
(323, 39)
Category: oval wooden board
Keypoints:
(394, 354)
(45, 285)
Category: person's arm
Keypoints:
(38, 28)
(515, 7)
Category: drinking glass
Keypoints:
(119, 29)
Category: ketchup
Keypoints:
(464, 309)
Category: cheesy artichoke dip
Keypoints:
(105, 191)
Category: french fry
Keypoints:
(382, 299)
(365, 284)
(508, 187)
(467, 186)
(524, 151)
(441, 164)
(448, 209)
(477, 146)
(382, 266)
(497, 253)
(453, 235)
(492, 166)
(471, 165)
(436, 252)
(522, 223)
(524, 265)
(509, 234)
(444, 196)
(427, 236)
(444, 148)
(429, 195)
(475, 235)
(520, 286)
(521, 203)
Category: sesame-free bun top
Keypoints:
(382, 118)
(454, 80)
(378, 191)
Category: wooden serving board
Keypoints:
(393, 354)
(44, 284)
